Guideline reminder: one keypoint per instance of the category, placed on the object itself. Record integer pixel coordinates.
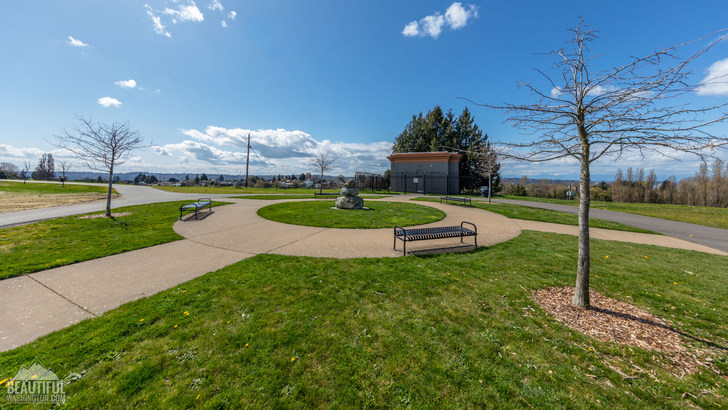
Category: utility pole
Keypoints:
(247, 162)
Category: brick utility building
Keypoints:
(426, 172)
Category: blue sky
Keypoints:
(194, 77)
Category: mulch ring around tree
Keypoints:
(613, 321)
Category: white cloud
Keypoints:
(232, 15)
(411, 29)
(188, 12)
(456, 17)
(159, 28)
(215, 5)
(716, 82)
(274, 151)
(76, 42)
(126, 83)
(223, 24)
(109, 102)
(433, 25)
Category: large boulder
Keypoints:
(349, 202)
(349, 191)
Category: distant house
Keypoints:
(426, 172)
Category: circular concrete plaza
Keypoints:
(238, 227)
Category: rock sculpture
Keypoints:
(349, 198)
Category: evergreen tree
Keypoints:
(439, 131)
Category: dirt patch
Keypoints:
(98, 216)
(13, 202)
(610, 320)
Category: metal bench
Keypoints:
(463, 199)
(441, 232)
(195, 207)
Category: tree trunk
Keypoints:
(108, 194)
(581, 293)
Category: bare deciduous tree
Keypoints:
(9, 169)
(323, 161)
(101, 146)
(65, 167)
(487, 162)
(588, 114)
(24, 171)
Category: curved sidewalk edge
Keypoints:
(613, 235)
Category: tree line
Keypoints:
(709, 187)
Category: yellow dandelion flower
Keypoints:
(647, 257)
(184, 291)
(187, 313)
(293, 359)
(246, 345)
(198, 396)
(3, 381)
(228, 322)
(175, 326)
(657, 294)
(674, 283)
(10, 383)
(606, 257)
(141, 320)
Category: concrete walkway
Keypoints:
(42, 302)
(130, 195)
(704, 235)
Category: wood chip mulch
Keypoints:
(610, 320)
(619, 322)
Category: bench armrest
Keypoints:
(475, 228)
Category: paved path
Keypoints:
(130, 195)
(705, 235)
(42, 302)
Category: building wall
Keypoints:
(429, 173)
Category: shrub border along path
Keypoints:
(69, 294)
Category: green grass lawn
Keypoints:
(238, 191)
(544, 215)
(700, 215)
(38, 188)
(271, 197)
(63, 241)
(379, 214)
(448, 331)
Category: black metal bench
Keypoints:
(421, 234)
(201, 204)
(326, 194)
(463, 199)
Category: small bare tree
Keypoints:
(101, 146)
(487, 160)
(323, 161)
(588, 114)
(65, 167)
(24, 171)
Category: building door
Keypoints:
(420, 181)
